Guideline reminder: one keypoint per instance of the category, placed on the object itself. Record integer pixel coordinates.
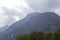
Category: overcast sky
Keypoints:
(14, 10)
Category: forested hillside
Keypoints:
(40, 36)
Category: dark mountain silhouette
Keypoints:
(46, 22)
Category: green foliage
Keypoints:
(57, 35)
(50, 36)
(40, 36)
(22, 37)
(33, 36)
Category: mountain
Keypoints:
(46, 22)
(3, 28)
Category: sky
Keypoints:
(12, 11)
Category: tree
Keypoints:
(33, 36)
(50, 36)
(57, 35)
(22, 37)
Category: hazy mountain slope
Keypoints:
(32, 22)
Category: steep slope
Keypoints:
(35, 21)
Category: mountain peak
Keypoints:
(45, 13)
(50, 13)
(33, 22)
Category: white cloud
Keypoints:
(17, 9)
(44, 5)
(12, 8)
(9, 3)
(57, 10)
(3, 19)
(16, 17)
(17, 5)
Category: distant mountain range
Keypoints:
(45, 22)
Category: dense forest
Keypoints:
(40, 36)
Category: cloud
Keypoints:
(57, 10)
(13, 15)
(44, 5)
(13, 10)
(16, 17)
(3, 19)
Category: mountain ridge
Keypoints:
(32, 22)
